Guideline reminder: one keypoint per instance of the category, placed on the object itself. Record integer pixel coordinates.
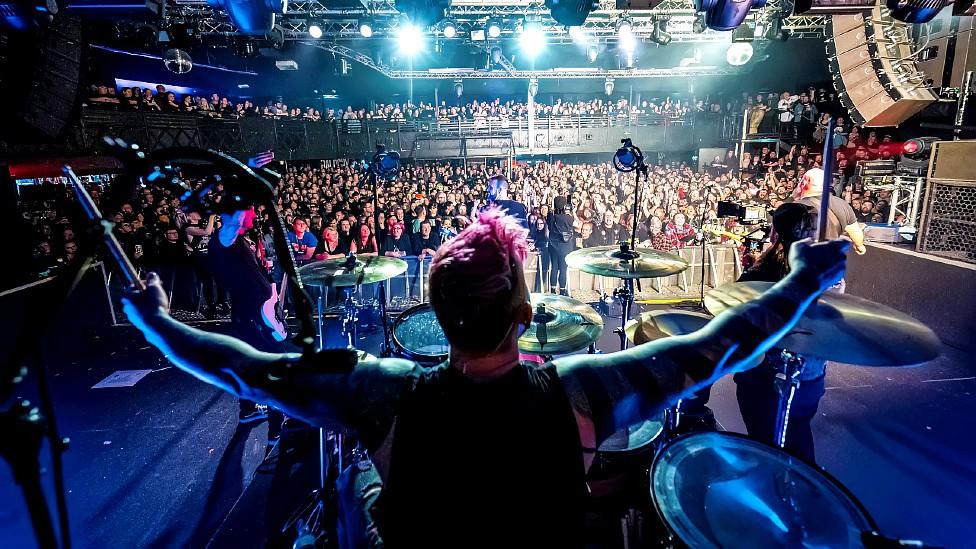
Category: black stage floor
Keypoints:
(164, 463)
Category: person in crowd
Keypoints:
(331, 246)
(365, 243)
(396, 244)
(425, 242)
(805, 116)
(562, 241)
(539, 243)
(198, 234)
(302, 242)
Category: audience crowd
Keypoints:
(328, 209)
(214, 105)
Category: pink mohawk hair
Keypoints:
(487, 247)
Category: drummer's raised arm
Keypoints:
(330, 389)
(611, 391)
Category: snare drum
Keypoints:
(621, 463)
(418, 336)
(726, 490)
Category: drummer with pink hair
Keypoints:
(484, 450)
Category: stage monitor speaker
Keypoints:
(948, 225)
(54, 84)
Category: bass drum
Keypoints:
(419, 337)
(726, 490)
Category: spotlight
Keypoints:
(916, 11)
(365, 29)
(608, 86)
(251, 17)
(776, 30)
(459, 87)
(625, 27)
(410, 39)
(495, 55)
(660, 35)
(177, 61)
(699, 25)
(533, 86)
(494, 29)
(627, 43)
(592, 53)
(918, 147)
(576, 33)
(739, 53)
(314, 29)
(449, 29)
(728, 14)
(532, 40)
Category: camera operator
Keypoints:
(562, 241)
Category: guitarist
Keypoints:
(235, 266)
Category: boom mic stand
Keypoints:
(387, 165)
(629, 158)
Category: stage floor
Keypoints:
(162, 463)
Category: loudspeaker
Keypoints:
(54, 83)
(950, 51)
(874, 74)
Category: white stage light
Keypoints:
(450, 29)
(739, 53)
(628, 43)
(315, 29)
(366, 30)
(625, 27)
(494, 29)
(532, 40)
(410, 39)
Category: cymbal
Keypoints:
(338, 272)
(560, 325)
(611, 261)
(843, 328)
(654, 325)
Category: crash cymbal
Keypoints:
(340, 272)
(654, 325)
(843, 328)
(614, 262)
(560, 325)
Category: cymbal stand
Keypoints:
(789, 366)
(624, 294)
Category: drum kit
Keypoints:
(710, 489)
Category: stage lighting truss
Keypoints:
(343, 24)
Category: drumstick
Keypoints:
(828, 180)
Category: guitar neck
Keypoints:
(112, 243)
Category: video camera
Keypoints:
(747, 214)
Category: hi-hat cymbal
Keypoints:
(614, 262)
(654, 325)
(843, 328)
(560, 325)
(340, 272)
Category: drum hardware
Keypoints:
(560, 325)
(629, 264)
(789, 367)
(418, 336)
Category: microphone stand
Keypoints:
(701, 228)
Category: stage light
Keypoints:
(450, 29)
(739, 53)
(592, 53)
(625, 27)
(410, 39)
(494, 29)
(628, 157)
(459, 87)
(576, 33)
(627, 43)
(916, 11)
(314, 29)
(251, 17)
(776, 30)
(728, 14)
(365, 29)
(918, 147)
(532, 40)
(699, 25)
(608, 86)
(660, 35)
(495, 55)
(533, 86)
